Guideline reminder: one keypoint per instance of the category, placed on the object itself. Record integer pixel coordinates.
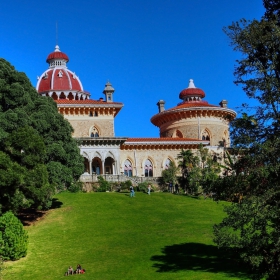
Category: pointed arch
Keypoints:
(94, 131)
(128, 167)
(206, 134)
(148, 167)
(166, 162)
(177, 134)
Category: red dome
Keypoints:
(191, 92)
(57, 54)
(59, 79)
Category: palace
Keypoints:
(191, 123)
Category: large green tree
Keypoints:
(38, 154)
(251, 227)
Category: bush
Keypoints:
(75, 187)
(103, 185)
(126, 185)
(143, 187)
(13, 237)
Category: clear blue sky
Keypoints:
(148, 49)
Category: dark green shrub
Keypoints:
(13, 237)
(75, 187)
(103, 185)
(126, 185)
(143, 187)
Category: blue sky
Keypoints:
(147, 49)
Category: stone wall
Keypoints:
(218, 129)
(82, 127)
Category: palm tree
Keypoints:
(187, 161)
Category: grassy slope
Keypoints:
(113, 236)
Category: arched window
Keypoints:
(205, 135)
(128, 168)
(167, 163)
(94, 132)
(96, 166)
(148, 168)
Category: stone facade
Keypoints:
(191, 123)
(158, 158)
(84, 128)
(216, 128)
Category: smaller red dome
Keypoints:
(57, 54)
(191, 91)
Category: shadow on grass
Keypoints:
(56, 203)
(30, 216)
(198, 257)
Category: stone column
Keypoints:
(90, 167)
(103, 167)
(113, 167)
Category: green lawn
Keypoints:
(113, 236)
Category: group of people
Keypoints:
(132, 192)
(170, 185)
(71, 271)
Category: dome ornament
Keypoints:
(191, 84)
(57, 48)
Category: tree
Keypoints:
(170, 174)
(38, 153)
(188, 163)
(251, 227)
(13, 237)
(272, 7)
(210, 169)
(259, 74)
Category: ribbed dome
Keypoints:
(57, 54)
(191, 91)
(58, 77)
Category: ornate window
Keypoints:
(148, 168)
(94, 132)
(205, 135)
(128, 168)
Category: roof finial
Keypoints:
(57, 49)
(191, 84)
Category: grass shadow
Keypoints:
(199, 257)
(56, 203)
(29, 216)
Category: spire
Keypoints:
(191, 84)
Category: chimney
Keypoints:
(160, 105)
(223, 103)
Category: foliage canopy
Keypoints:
(251, 227)
(38, 154)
